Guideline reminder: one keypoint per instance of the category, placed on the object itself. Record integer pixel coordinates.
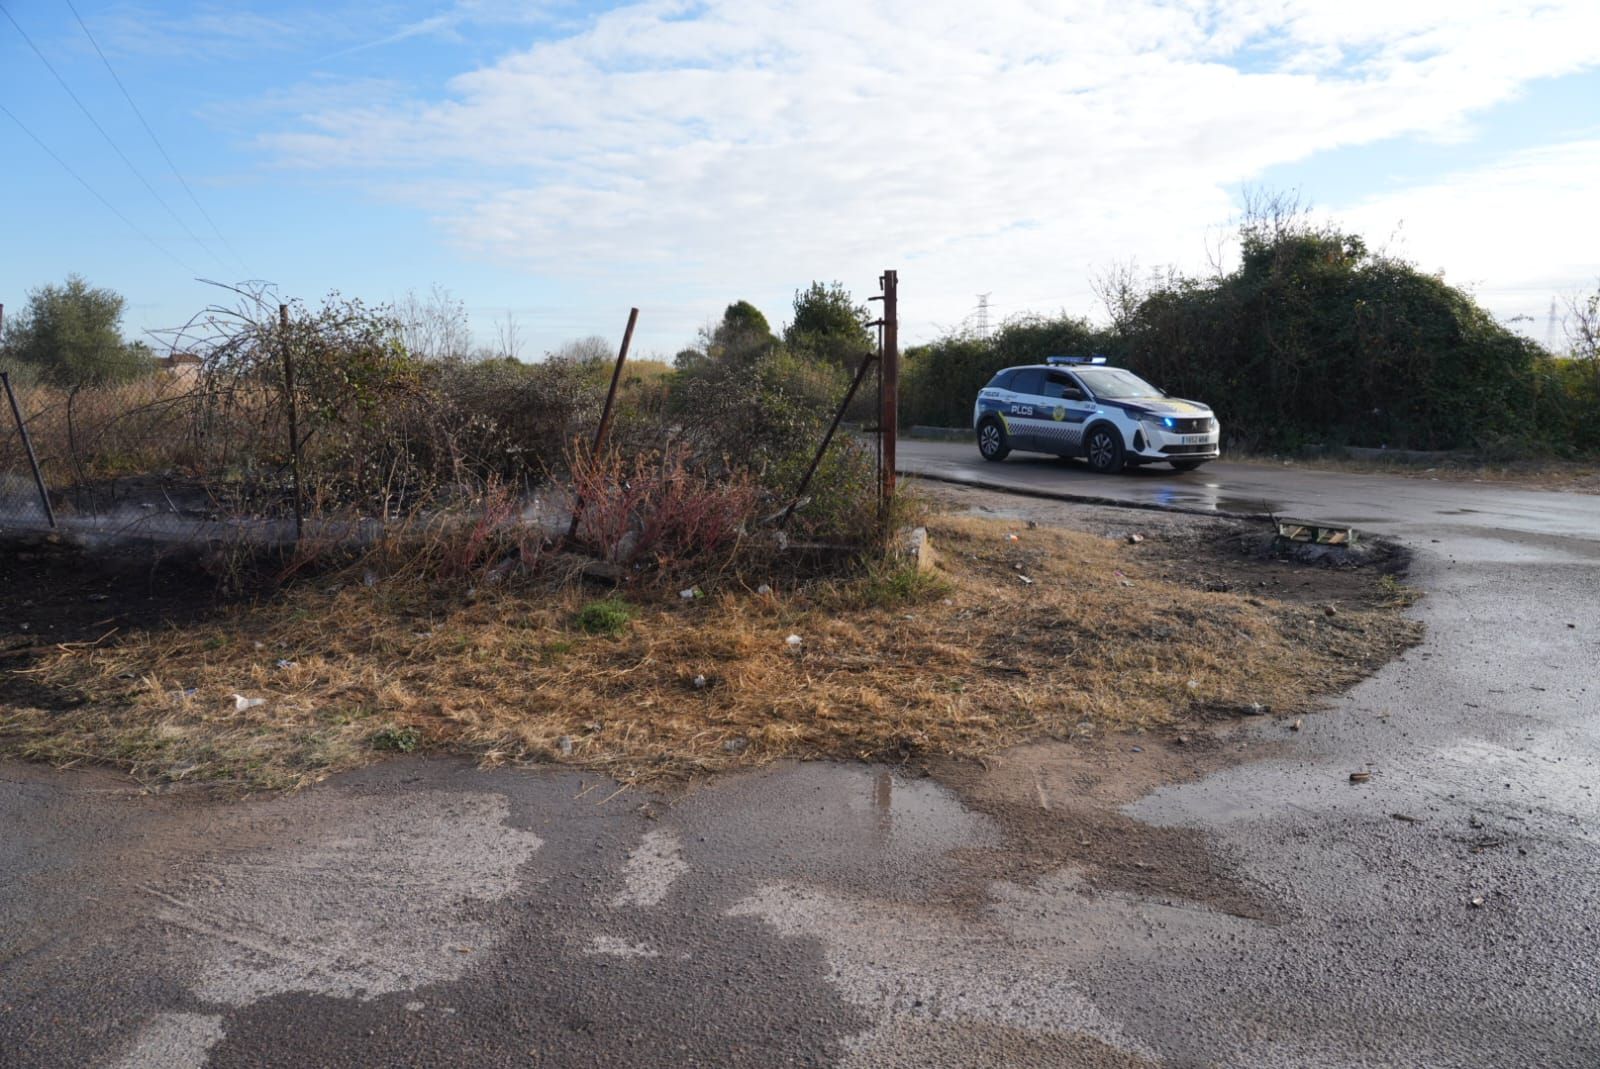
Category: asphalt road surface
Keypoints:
(1445, 912)
(1412, 506)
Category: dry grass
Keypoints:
(158, 423)
(889, 664)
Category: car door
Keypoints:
(1022, 421)
(1064, 413)
(1051, 412)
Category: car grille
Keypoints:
(1182, 449)
(1199, 425)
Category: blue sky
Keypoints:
(562, 161)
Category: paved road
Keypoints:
(426, 913)
(1401, 506)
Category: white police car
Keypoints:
(1078, 407)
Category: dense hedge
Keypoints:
(1312, 339)
(939, 382)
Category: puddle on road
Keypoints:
(843, 823)
(1211, 496)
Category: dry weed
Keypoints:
(1025, 632)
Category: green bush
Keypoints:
(829, 326)
(397, 740)
(515, 420)
(764, 410)
(893, 584)
(1315, 339)
(939, 382)
(760, 414)
(607, 617)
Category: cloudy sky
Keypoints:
(561, 161)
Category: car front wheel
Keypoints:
(1104, 450)
(992, 440)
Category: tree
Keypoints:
(1314, 338)
(742, 337)
(435, 326)
(829, 326)
(938, 381)
(590, 352)
(70, 335)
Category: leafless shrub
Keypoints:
(659, 508)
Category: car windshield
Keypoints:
(1116, 384)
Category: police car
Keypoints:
(1078, 407)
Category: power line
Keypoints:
(114, 147)
(159, 146)
(96, 193)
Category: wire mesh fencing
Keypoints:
(149, 456)
(281, 420)
(291, 424)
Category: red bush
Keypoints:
(657, 507)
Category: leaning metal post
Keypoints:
(27, 446)
(27, 442)
(827, 439)
(605, 413)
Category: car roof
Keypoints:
(1057, 367)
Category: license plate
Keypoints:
(1195, 439)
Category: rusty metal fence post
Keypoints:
(22, 432)
(27, 447)
(294, 422)
(889, 414)
(827, 439)
(605, 413)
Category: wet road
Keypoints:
(1444, 913)
(1400, 506)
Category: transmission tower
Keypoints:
(983, 314)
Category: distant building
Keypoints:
(182, 366)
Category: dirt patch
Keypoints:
(1026, 630)
(1058, 803)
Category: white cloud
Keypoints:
(703, 151)
(1517, 232)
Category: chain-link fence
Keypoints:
(200, 454)
(269, 418)
(281, 422)
(146, 456)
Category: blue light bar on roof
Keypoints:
(1058, 360)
